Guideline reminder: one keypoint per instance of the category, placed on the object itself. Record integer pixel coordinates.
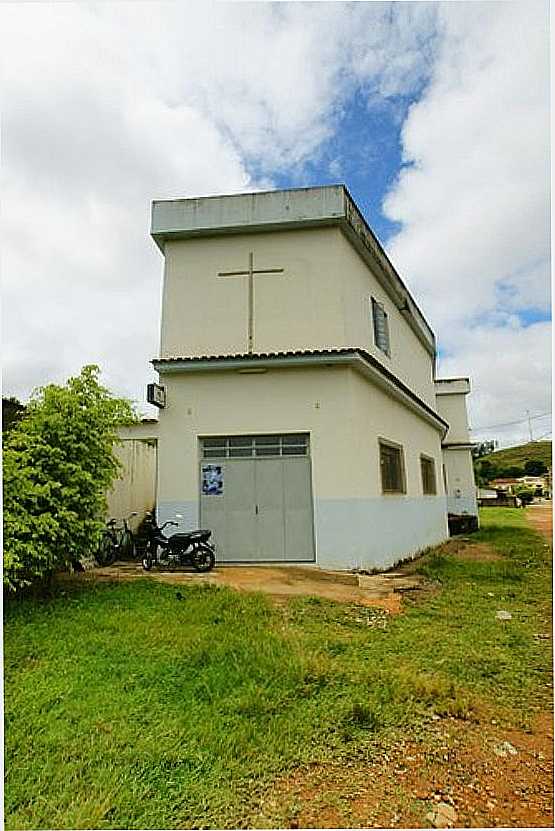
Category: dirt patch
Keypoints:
(477, 552)
(491, 776)
(541, 517)
(279, 582)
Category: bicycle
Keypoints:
(116, 542)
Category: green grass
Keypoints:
(126, 707)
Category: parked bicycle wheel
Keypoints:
(128, 549)
(106, 553)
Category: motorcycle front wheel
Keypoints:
(203, 559)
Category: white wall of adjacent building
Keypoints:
(457, 457)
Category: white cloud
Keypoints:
(510, 369)
(473, 201)
(108, 106)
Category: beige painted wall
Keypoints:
(376, 415)
(356, 526)
(322, 300)
(342, 411)
(453, 409)
(409, 360)
(231, 403)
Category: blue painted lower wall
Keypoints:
(357, 533)
(188, 510)
(463, 504)
(375, 533)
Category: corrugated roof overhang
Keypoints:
(358, 358)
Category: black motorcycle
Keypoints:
(185, 548)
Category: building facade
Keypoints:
(301, 420)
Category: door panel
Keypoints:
(264, 511)
(231, 516)
(299, 538)
(270, 526)
(239, 505)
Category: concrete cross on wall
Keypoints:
(251, 271)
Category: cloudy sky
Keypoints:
(435, 115)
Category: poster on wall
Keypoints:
(212, 480)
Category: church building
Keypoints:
(300, 416)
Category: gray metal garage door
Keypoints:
(256, 496)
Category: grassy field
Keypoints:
(128, 707)
(517, 456)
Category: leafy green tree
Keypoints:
(511, 472)
(484, 472)
(12, 410)
(58, 465)
(535, 467)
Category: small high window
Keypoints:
(392, 468)
(381, 327)
(428, 468)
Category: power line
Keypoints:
(509, 423)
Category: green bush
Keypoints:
(58, 464)
(525, 493)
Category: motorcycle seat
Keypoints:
(201, 534)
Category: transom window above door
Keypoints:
(234, 447)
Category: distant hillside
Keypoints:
(517, 456)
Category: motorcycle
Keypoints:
(185, 548)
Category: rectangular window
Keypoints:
(392, 468)
(381, 327)
(428, 468)
(237, 447)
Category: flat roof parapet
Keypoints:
(452, 386)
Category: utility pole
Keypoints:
(529, 425)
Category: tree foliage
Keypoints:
(58, 465)
(12, 410)
(525, 493)
(535, 467)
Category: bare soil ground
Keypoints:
(541, 517)
(280, 582)
(453, 762)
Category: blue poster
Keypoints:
(212, 480)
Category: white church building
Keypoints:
(301, 418)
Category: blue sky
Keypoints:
(435, 116)
(365, 153)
